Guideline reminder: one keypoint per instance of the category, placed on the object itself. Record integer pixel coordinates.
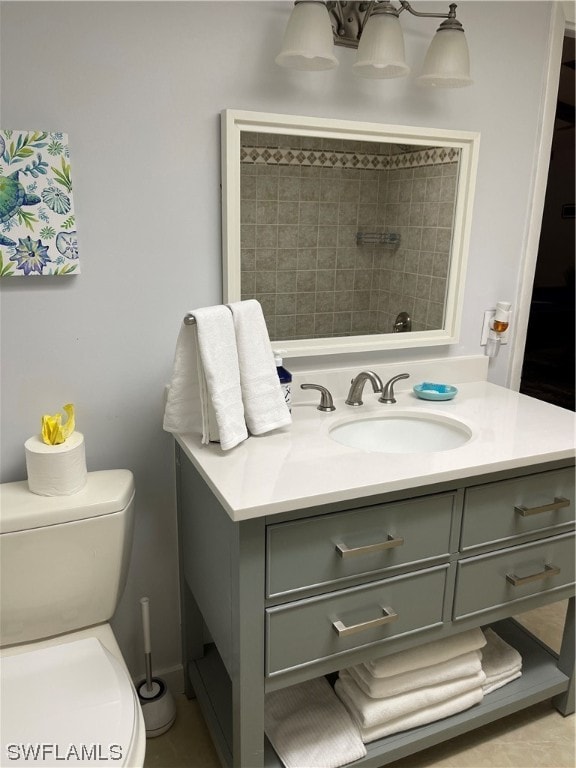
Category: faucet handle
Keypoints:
(326, 402)
(388, 391)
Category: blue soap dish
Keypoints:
(429, 391)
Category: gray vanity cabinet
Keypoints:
(370, 541)
(272, 601)
(325, 627)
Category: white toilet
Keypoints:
(66, 695)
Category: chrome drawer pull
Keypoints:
(517, 581)
(390, 542)
(343, 631)
(559, 503)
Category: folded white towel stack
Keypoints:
(428, 654)
(369, 712)
(414, 687)
(310, 728)
(445, 671)
(427, 683)
(501, 663)
(264, 406)
(224, 380)
(423, 716)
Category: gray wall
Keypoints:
(139, 88)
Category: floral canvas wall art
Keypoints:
(37, 221)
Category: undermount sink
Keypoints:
(403, 432)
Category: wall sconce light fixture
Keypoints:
(374, 29)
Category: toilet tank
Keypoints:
(63, 559)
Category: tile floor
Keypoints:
(537, 737)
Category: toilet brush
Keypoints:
(158, 707)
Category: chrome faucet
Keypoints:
(388, 389)
(357, 386)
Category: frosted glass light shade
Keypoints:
(381, 48)
(308, 40)
(447, 63)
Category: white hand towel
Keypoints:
(369, 712)
(310, 728)
(205, 391)
(264, 406)
(427, 654)
(183, 411)
(500, 661)
(383, 687)
(423, 716)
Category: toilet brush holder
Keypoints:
(158, 707)
(156, 701)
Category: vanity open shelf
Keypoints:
(541, 679)
(259, 595)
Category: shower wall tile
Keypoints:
(302, 207)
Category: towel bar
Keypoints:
(189, 319)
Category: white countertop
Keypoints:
(302, 466)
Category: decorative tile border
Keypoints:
(338, 159)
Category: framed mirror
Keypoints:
(352, 236)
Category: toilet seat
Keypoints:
(70, 703)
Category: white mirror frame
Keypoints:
(236, 121)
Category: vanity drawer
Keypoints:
(329, 548)
(305, 631)
(498, 512)
(489, 581)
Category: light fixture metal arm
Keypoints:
(367, 13)
(451, 20)
(407, 7)
(358, 13)
(350, 18)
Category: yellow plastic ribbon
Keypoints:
(53, 431)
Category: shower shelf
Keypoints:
(387, 239)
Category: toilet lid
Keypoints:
(69, 704)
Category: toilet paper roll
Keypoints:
(56, 470)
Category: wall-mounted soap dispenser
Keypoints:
(497, 325)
